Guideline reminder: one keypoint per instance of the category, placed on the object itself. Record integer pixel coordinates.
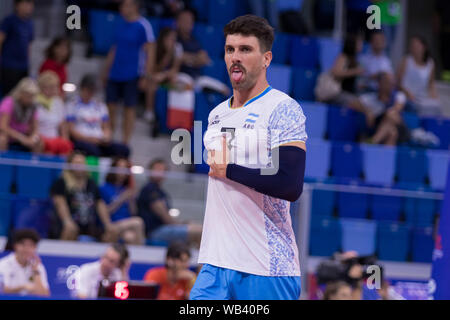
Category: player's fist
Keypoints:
(218, 161)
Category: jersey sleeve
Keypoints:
(287, 124)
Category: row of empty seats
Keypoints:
(388, 240)
(376, 164)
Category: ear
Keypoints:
(267, 59)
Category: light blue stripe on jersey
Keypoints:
(253, 99)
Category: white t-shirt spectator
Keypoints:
(50, 119)
(88, 117)
(374, 64)
(372, 101)
(14, 275)
(88, 279)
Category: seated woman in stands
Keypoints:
(119, 194)
(78, 203)
(52, 116)
(57, 56)
(19, 129)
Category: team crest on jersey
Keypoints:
(250, 121)
(216, 120)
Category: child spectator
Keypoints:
(52, 116)
(77, 202)
(19, 129)
(22, 270)
(175, 279)
(119, 194)
(16, 35)
(89, 123)
(57, 56)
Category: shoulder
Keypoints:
(89, 268)
(280, 102)
(7, 104)
(6, 261)
(220, 108)
(147, 27)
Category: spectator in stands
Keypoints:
(338, 290)
(374, 62)
(16, 35)
(154, 205)
(416, 78)
(57, 56)
(175, 279)
(122, 73)
(19, 129)
(346, 70)
(52, 116)
(165, 8)
(78, 202)
(195, 58)
(168, 61)
(119, 194)
(113, 266)
(22, 271)
(387, 105)
(89, 123)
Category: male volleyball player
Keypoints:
(256, 144)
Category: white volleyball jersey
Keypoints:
(243, 229)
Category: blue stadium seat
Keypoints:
(6, 173)
(318, 159)
(304, 52)
(329, 50)
(102, 25)
(411, 165)
(411, 120)
(280, 48)
(167, 23)
(155, 22)
(323, 202)
(5, 214)
(283, 5)
(422, 245)
(385, 208)
(217, 70)
(393, 241)
(378, 164)
(358, 235)
(201, 9)
(303, 83)
(220, 12)
(28, 175)
(316, 116)
(353, 205)
(325, 236)
(419, 212)
(342, 124)
(32, 214)
(441, 128)
(211, 39)
(346, 160)
(279, 77)
(438, 162)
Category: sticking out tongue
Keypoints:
(237, 75)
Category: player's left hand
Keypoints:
(218, 161)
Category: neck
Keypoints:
(132, 17)
(240, 97)
(23, 263)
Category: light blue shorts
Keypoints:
(215, 283)
(170, 232)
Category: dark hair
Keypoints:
(50, 51)
(156, 161)
(122, 250)
(111, 177)
(176, 249)
(183, 11)
(73, 154)
(251, 25)
(16, 2)
(426, 54)
(350, 48)
(89, 81)
(333, 288)
(25, 234)
(160, 48)
(375, 32)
